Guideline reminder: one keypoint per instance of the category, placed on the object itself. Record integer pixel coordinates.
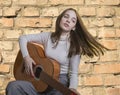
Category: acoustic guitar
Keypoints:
(46, 71)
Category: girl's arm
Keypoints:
(38, 38)
(74, 65)
(23, 40)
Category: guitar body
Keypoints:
(49, 66)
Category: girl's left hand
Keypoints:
(75, 91)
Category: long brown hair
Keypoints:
(81, 41)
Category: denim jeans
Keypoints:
(19, 87)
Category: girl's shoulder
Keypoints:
(45, 33)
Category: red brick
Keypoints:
(108, 22)
(113, 91)
(1, 33)
(85, 90)
(42, 2)
(93, 31)
(116, 22)
(6, 45)
(117, 32)
(107, 68)
(87, 11)
(1, 58)
(27, 11)
(52, 11)
(10, 11)
(1, 13)
(10, 56)
(109, 2)
(85, 68)
(33, 22)
(93, 80)
(6, 22)
(102, 22)
(5, 2)
(111, 80)
(91, 2)
(107, 33)
(4, 68)
(105, 12)
(12, 34)
(25, 2)
(109, 56)
(99, 91)
(110, 44)
(77, 2)
(57, 2)
(117, 10)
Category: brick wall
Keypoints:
(97, 76)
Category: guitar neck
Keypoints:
(53, 83)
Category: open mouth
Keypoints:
(66, 25)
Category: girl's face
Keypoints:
(68, 21)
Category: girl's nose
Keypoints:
(68, 20)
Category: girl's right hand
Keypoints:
(29, 62)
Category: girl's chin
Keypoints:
(66, 31)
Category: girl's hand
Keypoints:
(29, 62)
(75, 91)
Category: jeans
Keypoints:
(20, 87)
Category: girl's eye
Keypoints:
(65, 16)
(73, 21)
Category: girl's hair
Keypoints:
(81, 41)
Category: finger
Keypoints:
(33, 62)
(27, 71)
(32, 74)
(31, 71)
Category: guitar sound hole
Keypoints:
(38, 70)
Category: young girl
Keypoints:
(69, 41)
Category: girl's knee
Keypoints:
(10, 85)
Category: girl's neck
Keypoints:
(65, 33)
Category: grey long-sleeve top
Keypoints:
(59, 53)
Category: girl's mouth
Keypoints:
(66, 25)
